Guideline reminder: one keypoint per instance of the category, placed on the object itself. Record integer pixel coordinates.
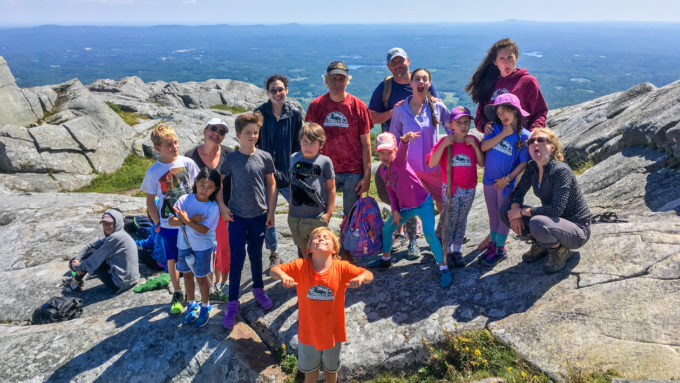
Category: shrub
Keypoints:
(129, 176)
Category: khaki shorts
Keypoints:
(301, 228)
(310, 359)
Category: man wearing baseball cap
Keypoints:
(394, 89)
(347, 123)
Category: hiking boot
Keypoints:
(490, 249)
(445, 278)
(380, 263)
(176, 303)
(399, 242)
(203, 316)
(455, 259)
(229, 319)
(498, 254)
(274, 259)
(535, 253)
(413, 251)
(192, 312)
(262, 298)
(557, 259)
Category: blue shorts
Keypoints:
(198, 262)
(169, 240)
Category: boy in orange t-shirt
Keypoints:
(321, 282)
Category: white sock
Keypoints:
(456, 247)
(385, 258)
(205, 305)
(443, 267)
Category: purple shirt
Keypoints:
(403, 185)
(403, 121)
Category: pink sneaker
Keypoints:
(229, 319)
(262, 298)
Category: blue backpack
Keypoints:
(361, 229)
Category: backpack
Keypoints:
(361, 229)
(139, 227)
(58, 309)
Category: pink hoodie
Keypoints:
(403, 186)
(525, 87)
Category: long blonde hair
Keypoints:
(554, 141)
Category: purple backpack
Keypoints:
(361, 229)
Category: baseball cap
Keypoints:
(395, 52)
(458, 112)
(503, 99)
(106, 217)
(337, 67)
(385, 141)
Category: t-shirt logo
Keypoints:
(336, 119)
(461, 160)
(174, 184)
(320, 293)
(497, 93)
(504, 147)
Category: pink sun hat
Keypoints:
(503, 99)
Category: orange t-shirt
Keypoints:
(321, 300)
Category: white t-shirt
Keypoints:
(210, 210)
(169, 182)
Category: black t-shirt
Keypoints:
(224, 150)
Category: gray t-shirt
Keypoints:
(308, 195)
(248, 186)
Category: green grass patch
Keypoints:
(46, 115)
(129, 176)
(233, 109)
(130, 118)
(582, 167)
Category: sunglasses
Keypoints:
(216, 128)
(540, 140)
(276, 90)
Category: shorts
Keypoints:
(310, 359)
(169, 241)
(301, 228)
(198, 262)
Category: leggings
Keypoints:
(550, 231)
(494, 200)
(244, 231)
(426, 213)
(458, 210)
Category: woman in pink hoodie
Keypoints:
(498, 74)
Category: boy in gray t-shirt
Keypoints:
(312, 187)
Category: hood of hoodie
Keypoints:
(118, 217)
(513, 77)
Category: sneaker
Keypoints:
(557, 259)
(494, 257)
(274, 259)
(445, 278)
(490, 249)
(380, 263)
(204, 316)
(413, 251)
(176, 303)
(262, 298)
(229, 319)
(399, 241)
(192, 312)
(535, 253)
(455, 259)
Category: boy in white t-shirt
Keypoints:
(169, 178)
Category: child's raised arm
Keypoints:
(277, 274)
(364, 278)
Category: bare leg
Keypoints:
(174, 274)
(312, 377)
(190, 286)
(204, 287)
(331, 377)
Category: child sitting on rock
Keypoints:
(113, 258)
(321, 280)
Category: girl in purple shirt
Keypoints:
(408, 199)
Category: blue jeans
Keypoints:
(241, 232)
(347, 182)
(271, 239)
(426, 213)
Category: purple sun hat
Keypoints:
(503, 99)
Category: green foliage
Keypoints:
(288, 363)
(582, 167)
(577, 375)
(46, 115)
(129, 117)
(129, 176)
(233, 109)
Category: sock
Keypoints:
(385, 259)
(443, 267)
(205, 305)
(501, 239)
(493, 237)
(456, 247)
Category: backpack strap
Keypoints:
(387, 90)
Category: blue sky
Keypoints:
(198, 12)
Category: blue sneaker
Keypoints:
(204, 316)
(192, 313)
(445, 278)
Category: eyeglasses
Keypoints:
(218, 129)
(540, 140)
(276, 90)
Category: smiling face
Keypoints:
(321, 243)
(420, 82)
(204, 188)
(108, 227)
(277, 91)
(507, 115)
(215, 133)
(505, 61)
(541, 149)
(399, 67)
(169, 149)
(248, 135)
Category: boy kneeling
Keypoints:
(321, 281)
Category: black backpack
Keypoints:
(58, 309)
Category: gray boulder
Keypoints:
(15, 108)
